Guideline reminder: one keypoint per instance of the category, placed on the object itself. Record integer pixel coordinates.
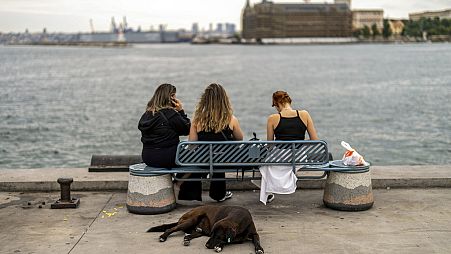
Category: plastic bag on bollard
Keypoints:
(351, 156)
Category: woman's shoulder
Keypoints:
(273, 116)
(303, 112)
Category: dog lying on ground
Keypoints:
(223, 224)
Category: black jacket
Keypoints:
(156, 131)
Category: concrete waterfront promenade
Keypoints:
(409, 217)
(44, 179)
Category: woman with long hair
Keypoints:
(213, 121)
(161, 125)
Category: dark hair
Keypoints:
(280, 98)
(161, 98)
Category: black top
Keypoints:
(224, 135)
(290, 128)
(163, 128)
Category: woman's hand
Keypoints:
(177, 104)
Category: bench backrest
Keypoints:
(252, 153)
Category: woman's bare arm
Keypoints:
(311, 127)
(236, 129)
(193, 133)
(270, 128)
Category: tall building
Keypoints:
(444, 14)
(294, 20)
(195, 28)
(362, 18)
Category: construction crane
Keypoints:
(91, 24)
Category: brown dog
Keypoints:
(223, 224)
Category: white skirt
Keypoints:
(276, 179)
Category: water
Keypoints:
(60, 105)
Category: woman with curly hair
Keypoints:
(213, 121)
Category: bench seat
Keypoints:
(245, 157)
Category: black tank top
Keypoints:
(290, 128)
(225, 135)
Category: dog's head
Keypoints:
(221, 234)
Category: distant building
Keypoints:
(219, 28)
(195, 28)
(396, 26)
(294, 20)
(362, 18)
(230, 28)
(444, 14)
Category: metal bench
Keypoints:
(244, 158)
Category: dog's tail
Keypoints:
(162, 228)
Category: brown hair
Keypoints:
(214, 110)
(161, 98)
(280, 98)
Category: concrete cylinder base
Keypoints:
(150, 194)
(348, 191)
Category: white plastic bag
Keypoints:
(351, 156)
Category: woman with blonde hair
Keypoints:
(161, 125)
(213, 121)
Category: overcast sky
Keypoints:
(74, 15)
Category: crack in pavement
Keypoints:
(90, 224)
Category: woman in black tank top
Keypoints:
(288, 124)
(213, 121)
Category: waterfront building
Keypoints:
(219, 28)
(367, 17)
(396, 26)
(195, 28)
(294, 20)
(443, 14)
(230, 28)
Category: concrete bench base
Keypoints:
(150, 194)
(348, 191)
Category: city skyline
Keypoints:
(74, 16)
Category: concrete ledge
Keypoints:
(436, 176)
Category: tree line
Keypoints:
(435, 26)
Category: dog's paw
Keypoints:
(162, 239)
(186, 242)
(259, 252)
(198, 230)
(218, 249)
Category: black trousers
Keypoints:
(192, 190)
(160, 157)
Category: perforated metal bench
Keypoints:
(245, 157)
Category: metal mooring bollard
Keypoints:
(66, 201)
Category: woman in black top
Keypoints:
(288, 124)
(161, 125)
(213, 121)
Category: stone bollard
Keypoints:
(348, 191)
(149, 193)
(66, 201)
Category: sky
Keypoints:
(74, 15)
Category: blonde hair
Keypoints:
(161, 98)
(214, 110)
